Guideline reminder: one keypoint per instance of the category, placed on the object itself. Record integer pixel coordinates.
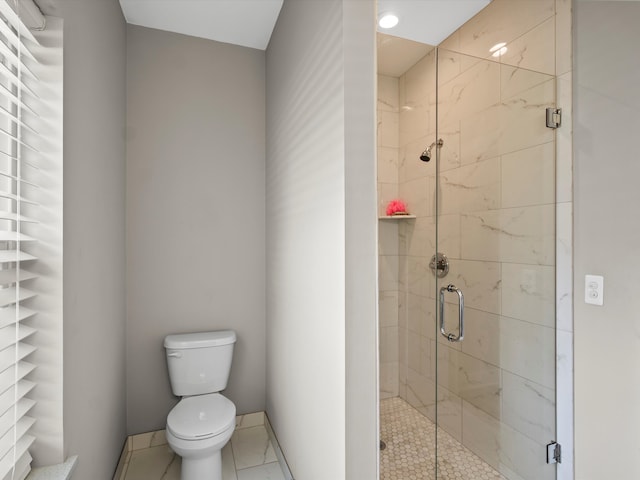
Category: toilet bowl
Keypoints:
(203, 421)
(197, 430)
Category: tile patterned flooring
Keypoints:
(248, 456)
(409, 436)
(410, 440)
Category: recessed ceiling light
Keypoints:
(498, 49)
(388, 20)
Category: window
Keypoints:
(20, 159)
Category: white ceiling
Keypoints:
(396, 55)
(250, 23)
(429, 21)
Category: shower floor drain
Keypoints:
(382, 445)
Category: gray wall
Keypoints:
(195, 211)
(607, 239)
(361, 221)
(321, 231)
(94, 229)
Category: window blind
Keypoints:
(18, 155)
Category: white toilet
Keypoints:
(203, 420)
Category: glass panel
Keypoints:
(496, 224)
(462, 141)
(406, 127)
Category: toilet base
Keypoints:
(201, 459)
(209, 468)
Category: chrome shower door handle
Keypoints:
(450, 336)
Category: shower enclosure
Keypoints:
(467, 279)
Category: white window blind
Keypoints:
(18, 155)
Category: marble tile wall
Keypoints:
(504, 224)
(388, 235)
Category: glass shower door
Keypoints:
(495, 223)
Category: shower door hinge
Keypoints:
(554, 453)
(554, 117)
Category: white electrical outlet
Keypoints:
(593, 289)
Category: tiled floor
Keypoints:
(248, 456)
(410, 440)
(409, 452)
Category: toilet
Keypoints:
(202, 422)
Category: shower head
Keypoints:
(426, 155)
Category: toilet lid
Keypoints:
(201, 416)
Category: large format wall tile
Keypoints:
(502, 21)
(481, 434)
(448, 365)
(389, 344)
(420, 390)
(528, 407)
(388, 97)
(388, 129)
(386, 193)
(528, 293)
(388, 165)
(419, 276)
(521, 457)
(418, 196)
(415, 120)
(528, 350)
(414, 353)
(480, 135)
(388, 238)
(523, 118)
(505, 449)
(388, 272)
(531, 50)
(517, 235)
(448, 236)
(449, 414)
(515, 122)
(421, 237)
(472, 91)
(479, 281)
(389, 379)
(527, 177)
(508, 451)
(388, 308)
(480, 384)
(514, 80)
(482, 335)
(449, 65)
(471, 188)
(419, 80)
(471, 379)
(421, 315)
(450, 150)
(411, 166)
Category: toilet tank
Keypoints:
(199, 363)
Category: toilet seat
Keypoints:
(201, 416)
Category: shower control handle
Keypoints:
(450, 336)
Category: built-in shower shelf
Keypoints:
(396, 217)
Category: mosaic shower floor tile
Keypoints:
(410, 440)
